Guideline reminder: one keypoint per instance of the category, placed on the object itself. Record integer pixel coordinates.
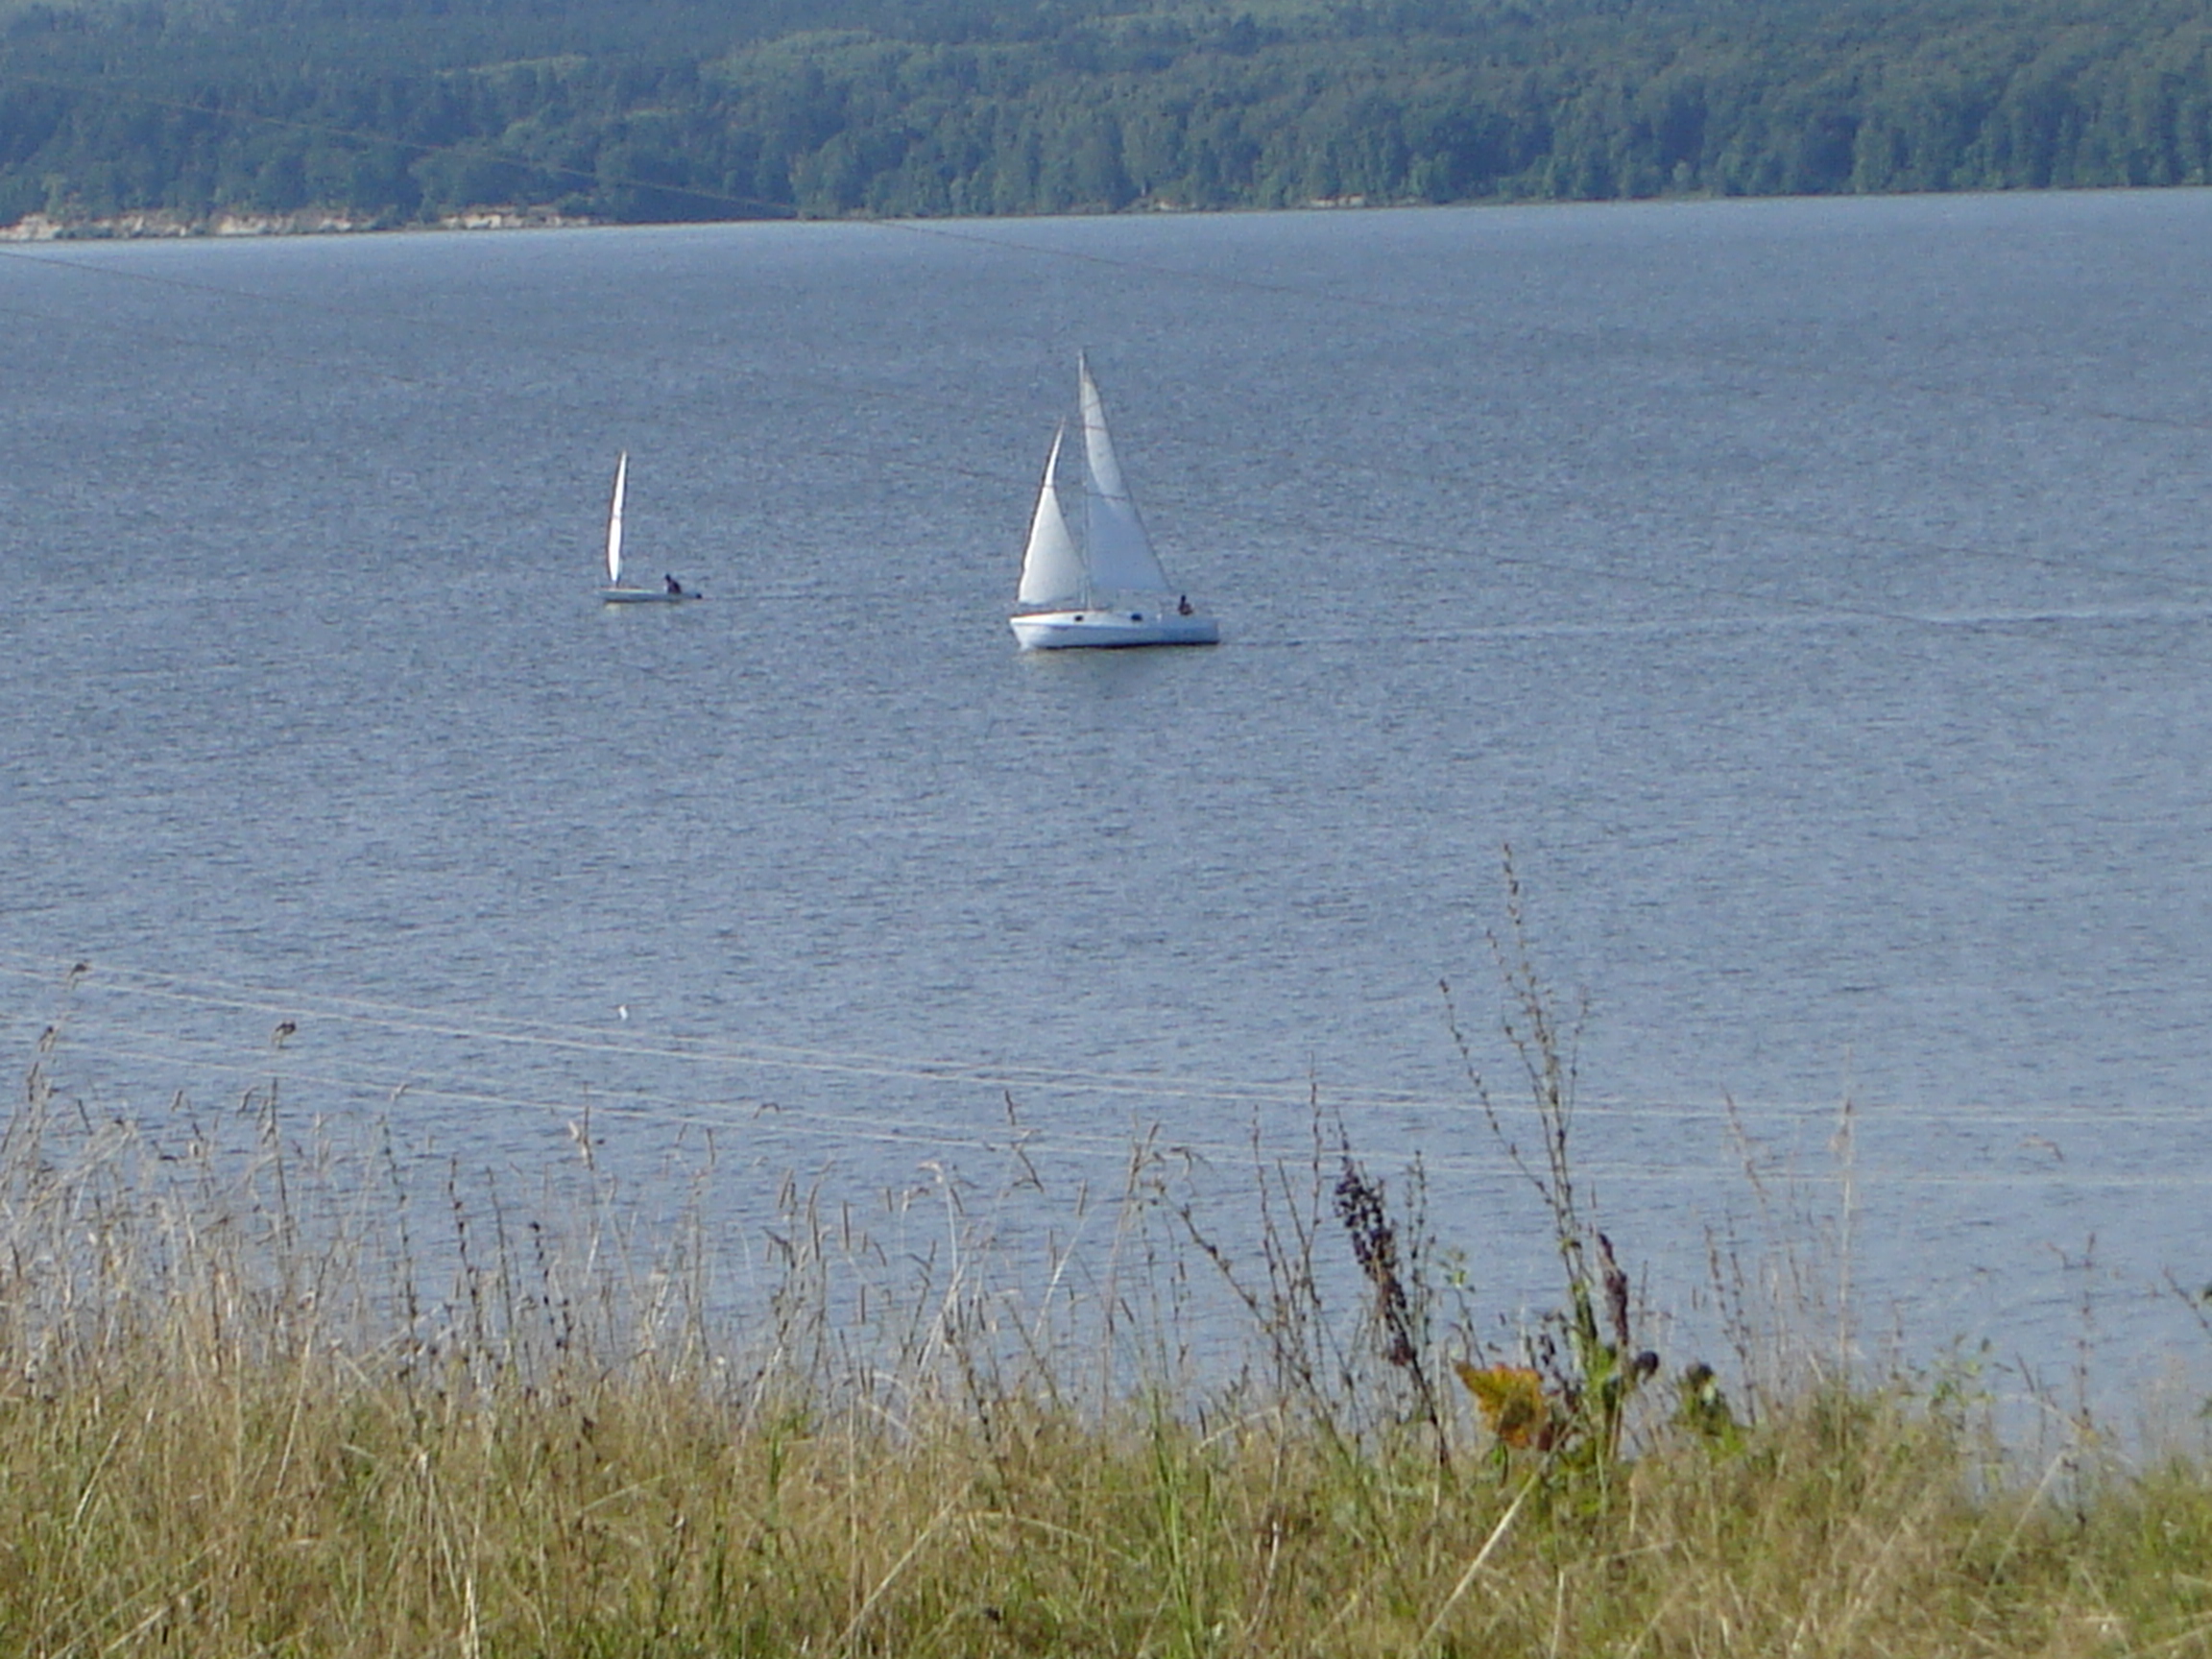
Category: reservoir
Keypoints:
(1815, 597)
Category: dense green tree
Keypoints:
(695, 109)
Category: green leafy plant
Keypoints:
(1587, 1354)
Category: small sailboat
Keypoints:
(670, 592)
(1109, 591)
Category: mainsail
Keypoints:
(615, 522)
(1121, 553)
(1051, 569)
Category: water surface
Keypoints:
(1814, 595)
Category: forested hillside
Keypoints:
(401, 110)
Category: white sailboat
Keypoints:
(670, 592)
(1109, 591)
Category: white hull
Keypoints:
(644, 596)
(1066, 630)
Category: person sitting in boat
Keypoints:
(675, 587)
(1183, 605)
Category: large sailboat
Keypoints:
(670, 592)
(1108, 590)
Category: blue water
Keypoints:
(1816, 596)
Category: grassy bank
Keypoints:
(297, 1506)
(248, 1406)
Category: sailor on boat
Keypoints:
(675, 587)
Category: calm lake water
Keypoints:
(1816, 597)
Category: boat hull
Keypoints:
(644, 596)
(1110, 630)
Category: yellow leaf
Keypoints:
(1512, 1400)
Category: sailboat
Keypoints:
(671, 591)
(1110, 589)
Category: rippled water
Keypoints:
(1815, 596)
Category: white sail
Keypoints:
(1052, 569)
(1121, 553)
(615, 522)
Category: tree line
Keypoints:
(400, 110)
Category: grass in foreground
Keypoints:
(171, 1499)
(233, 1419)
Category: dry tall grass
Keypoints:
(235, 1420)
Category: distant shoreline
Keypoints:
(162, 224)
(159, 224)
